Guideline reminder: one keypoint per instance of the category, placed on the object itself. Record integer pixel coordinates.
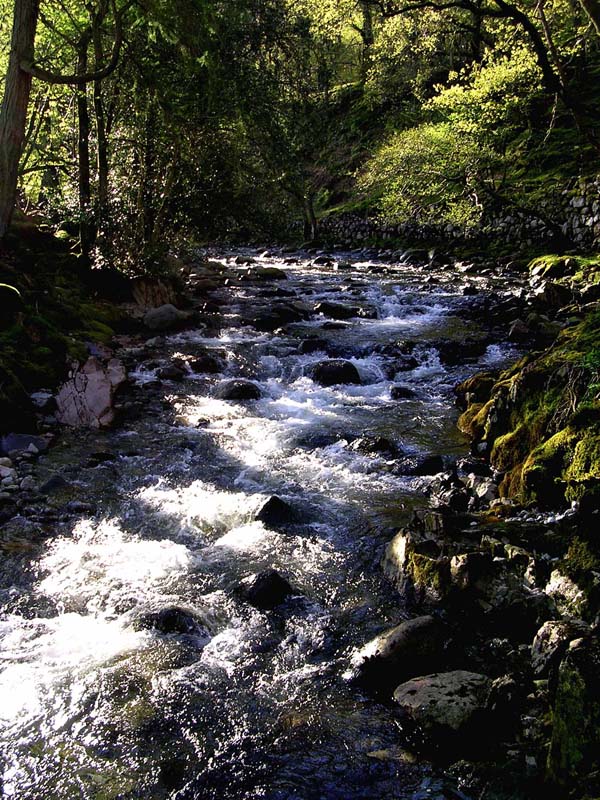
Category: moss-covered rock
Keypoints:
(575, 745)
(540, 421)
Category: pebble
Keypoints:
(27, 483)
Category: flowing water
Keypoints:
(244, 703)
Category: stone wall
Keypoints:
(574, 211)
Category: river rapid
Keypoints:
(161, 513)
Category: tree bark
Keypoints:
(101, 131)
(13, 114)
(592, 9)
(83, 119)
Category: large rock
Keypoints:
(172, 620)
(277, 316)
(448, 709)
(333, 371)
(86, 399)
(164, 318)
(237, 390)
(575, 745)
(267, 590)
(412, 562)
(336, 310)
(551, 643)
(276, 513)
(414, 647)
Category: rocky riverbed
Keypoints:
(262, 560)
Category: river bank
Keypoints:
(137, 569)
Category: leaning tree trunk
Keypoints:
(310, 219)
(13, 115)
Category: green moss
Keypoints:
(432, 574)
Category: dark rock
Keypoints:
(21, 442)
(165, 317)
(334, 326)
(551, 643)
(333, 371)
(448, 491)
(452, 353)
(267, 590)
(401, 392)
(171, 620)
(313, 346)
(375, 445)
(575, 745)
(448, 709)
(421, 465)
(269, 273)
(205, 364)
(414, 647)
(276, 513)
(336, 310)
(278, 316)
(402, 364)
(237, 390)
(322, 261)
(172, 372)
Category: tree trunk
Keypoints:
(83, 119)
(310, 219)
(367, 36)
(101, 126)
(13, 115)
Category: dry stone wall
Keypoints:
(573, 211)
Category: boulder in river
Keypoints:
(86, 399)
(267, 590)
(172, 619)
(448, 709)
(414, 647)
(276, 513)
(205, 363)
(314, 345)
(421, 465)
(333, 371)
(336, 310)
(237, 389)
(401, 392)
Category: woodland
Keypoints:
(300, 399)
(240, 118)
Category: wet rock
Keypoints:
(334, 371)
(448, 709)
(21, 442)
(518, 331)
(322, 261)
(403, 363)
(277, 317)
(267, 590)
(205, 364)
(448, 491)
(452, 353)
(553, 296)
(172, 372)
(336, 310)
(313, 346)
(421, 465)
(237, 390)
(414, 647)
(269, 274)
(575, 745)
(413, 563)
(551, 643)
(276, 513)
(375, 445)
(173, 619)
(86, 399)
(165, 317)
(401, 392)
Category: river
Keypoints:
(238, 703)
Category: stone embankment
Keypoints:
(573, 213)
